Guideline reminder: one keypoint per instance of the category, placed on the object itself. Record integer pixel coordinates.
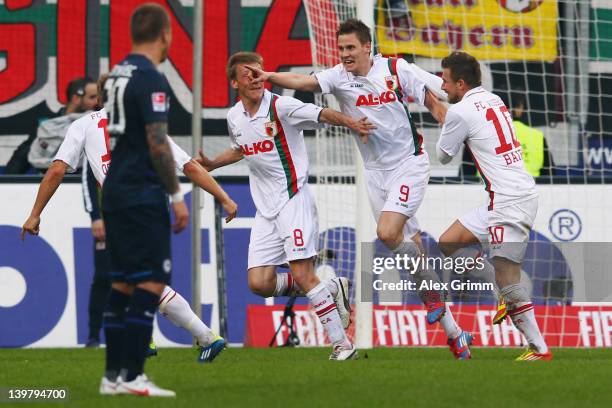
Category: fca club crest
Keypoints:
(391, 82)
(271, 129)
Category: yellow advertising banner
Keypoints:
(487, 29)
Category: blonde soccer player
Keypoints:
(266, 131)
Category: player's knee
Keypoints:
(389, 237)
(261, 287)
(445, 245)
(303, 273)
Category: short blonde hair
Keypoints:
(242, 57)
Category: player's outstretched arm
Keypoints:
(361, 126)
(163, 162)
(48, 185)
(225, 158)
(200, 177)
(290, 80)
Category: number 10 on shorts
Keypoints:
(496, 234)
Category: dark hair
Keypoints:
(463, 66)
(242, 57)
(148, 22)
(77, 87)
(352, 25)
(101, 82)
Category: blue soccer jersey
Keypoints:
(136, 94)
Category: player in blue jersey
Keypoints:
(135, 202)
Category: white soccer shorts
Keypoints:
(400, 190)
(477, 222)
(506, 229)
(292, 235)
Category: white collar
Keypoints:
(264, 106)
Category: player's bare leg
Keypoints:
(265, 281)
(459, 242)
(520, 308)
(324, 305)
(390, 230)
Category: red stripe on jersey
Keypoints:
(417, 138)
(285, 153)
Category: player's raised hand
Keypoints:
(231, 208)
(259, 75)
(363, 127)
(181, 216)
(205, 161)
(31, 226)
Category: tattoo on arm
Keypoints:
(161, 155)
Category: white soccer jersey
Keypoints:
(88, 135)
(483, 122)
(273, 146)
(378, 96)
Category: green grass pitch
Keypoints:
(407, 377)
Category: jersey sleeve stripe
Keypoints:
(280, 140)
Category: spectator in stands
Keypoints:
(536, 156)
(81, 94)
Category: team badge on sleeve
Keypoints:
(271, 129)
(159, 101)
(391, 82)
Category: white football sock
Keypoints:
(325, 308)
(520, 310)
(408, 248)
(177, 310)
(450, 326)
(287, 286)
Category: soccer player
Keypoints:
(396, 165)
(89, 135)
(266, 131)
(100, 284)
(135, 200)
(480, 120)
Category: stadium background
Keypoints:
(46, 44)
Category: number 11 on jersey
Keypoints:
(504, 146)
(106, 156)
